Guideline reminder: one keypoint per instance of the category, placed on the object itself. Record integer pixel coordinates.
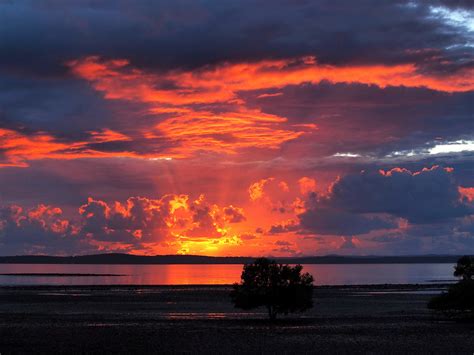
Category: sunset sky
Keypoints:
(280, 128)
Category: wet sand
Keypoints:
(189, 319)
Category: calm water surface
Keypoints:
(324, 274)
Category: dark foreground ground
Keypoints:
(369, 319)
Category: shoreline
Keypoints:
(224, 286)
(131, 259)
(388, 318)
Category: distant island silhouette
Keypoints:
(117, 258)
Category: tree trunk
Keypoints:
(272, 314)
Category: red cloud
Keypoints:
(307, 185)
(19, 147)
(467, 193)
(227, 124)
(224, 129)
(234, 214)
(172, 223)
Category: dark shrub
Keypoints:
(465, 268)
(460, 296)
(280, 288)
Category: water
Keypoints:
(324, 274)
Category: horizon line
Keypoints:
(236, 256)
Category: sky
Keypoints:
(244, 128)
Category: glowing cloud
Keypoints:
(18, 148)
(228, 124)
(307, 185)
(467, 193)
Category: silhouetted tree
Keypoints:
(465, 268)
(460, 296)
(280, 288)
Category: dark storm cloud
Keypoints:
(45, 229)
(38, 230)
(396, 211)
(138, 219)
(141, 146)
(71, 182)
(463, 4)
(454, 237)
(339, 222)
(428, 196)
(40, 97)
(41, 36)
(234, 214)
(462, 163)
(66, 108)
(360, 203)
(366, 119)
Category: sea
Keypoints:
(215, 274)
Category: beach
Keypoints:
(189, 319)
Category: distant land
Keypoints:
(116, 258)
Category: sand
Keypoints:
(190, 319)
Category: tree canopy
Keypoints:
(465, 268)
(280, 288)
(460, 296)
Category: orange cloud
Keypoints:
(221, 83)
(176, 223)
(273, 200)
(107, 135)
(170, 224)
(467, 193)
(234, 214)
(222, 123)
(307, 185)
(18, 148)
(225, 130)
(256, 189)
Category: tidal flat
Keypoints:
(201, 319)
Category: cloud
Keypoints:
(143, 220)
(38, 230)
(17, 147)
(467, 193)
(206, 221)
(139, 224)
(185, 98)
(454, 237)
(247, 236)
(137, 220)
(228, 124)
(276, 196)
(280, 92)
(285, 227)
(349, 243)
(361, 203)
(234, 214)
(426, 196)
(256, 190)
(282, 243)
(369, 122)
(332, 221)
(307, 185)
(165, 35)
(286, 248)
(225, 126)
